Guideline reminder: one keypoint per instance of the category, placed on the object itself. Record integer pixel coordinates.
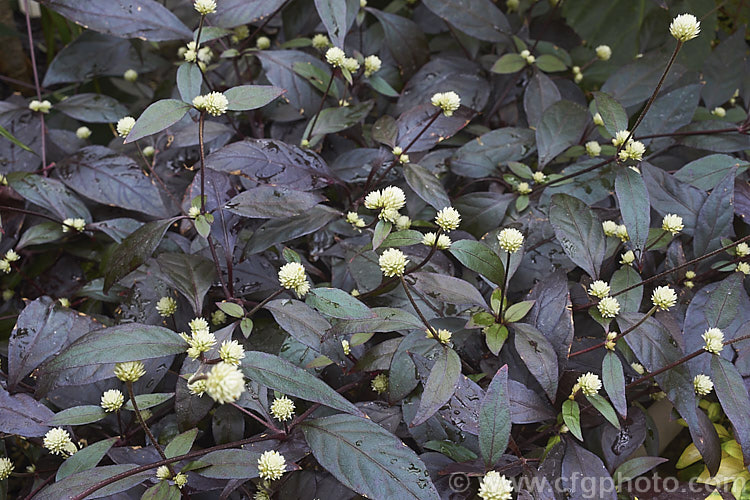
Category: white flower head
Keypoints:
(320, 41)
(743, 267)
(598, 120)
(125, 125)
(589, 383)
(372, 200)
(380, 383)
(148, 151)
(620, 137)
(112, 400)
(603, 52)
(512, 5)
(282, 408)
(11, 255)
(633, 150)
(263, 43)
(83, 132)
(608, 307)
(443, 336)
(447, 101)
(495, 487)
(166, 306)
(664, 298)
(231, 352)
(225, 383)
(392, 198)
(523, 188)
(372, 65)
(448, 219)
(271, 465)
(599, 289)
(539, 177)
(346, 347)
(702, 384)
(627, 258)
(609, 227)
(180, 480)
(335, 57)
(129, 371)
(350, 64)
(215, 103)
(672, 223)
(292, 277)
(355, 220)
(162, 473)
(403, 223)
(130, 75)
(76, 224)
(443, 241)
(593, 148)
(5, 266)
(685, 27)
(58, 442)
(714, 339)
(393, 262)
(622, 233)
(205, 6)
(6, 467)
(197, 387)
(40, 106)
(742, 250)
(719, 112)
(511, 239)
(638, 368)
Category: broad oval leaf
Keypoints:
(368, 459)
(270, 202)
(579, 232)
(85, 458)
(538, 356)
(337, 17)
(385, 319)
(192, 275)
(479, 258)
(230, 464)
(79, 482)
(78, 415)
(448, 289)
(23, 415)
(613, 114)
(561, 126)
(49, 194)
(157, 117)
(92, 108)
(481, 156)
(426, 185)
(246, 97)
(613, 379)
(732, 393)
(440, 386)
(634, 206)
(495, 419)
(337, 303)
(479, 18)
(231, 13)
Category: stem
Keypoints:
(145, 427)
(264, 302)
(215, 258)
(320, 108)
(52, 476)
(502, 289)
(28, 212)
(203, 162)
(574, 174)
(168, 461)
(154, 174)
(36, 83)
(416, 308)
(266, 424)
(621, 335)
(741, 130)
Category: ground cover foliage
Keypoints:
(425, 249)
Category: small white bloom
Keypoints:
(162, 473)
(5, 266)
(215, 103)
(40, 106)
(231, 352)
(355, 220)
(58, 442)
(83, 132)
(638, 368)
(393, 262)
(443, 335)
(714, 339)
(112, 400)
(6, 467)
(11, 256)
(719, 111)
(197, 387)
(524, 53)
(599, 289)
(403, 223)
(335, 57)
(598, 121)
(742, 250)
(180, 480)
(271, 465)
(589, 383)
(685, 27)
(512, 5)
(125, 125)
(75, 224)
(627, 258)
(372, 65)
(346, 347)
(609, 227)
(743, 267)
(447, 101)
(593, 148)
(632, 151)
(350, 64)
(320, 41)
(443, 241)
(205, 6)
(664, 298)
(129, 371)
(539, 177)
(672, 223)
(380, 383)
(392, 198)
(166, 306)
(622, 233)
(448, 219)
(372, 200)
(523, 188)
(702, 384)
(225, 383)
(511, 239)
(148, 151)
(619, 137)
(263, 43)
(282, 408)
(130, 75)
(292, 277)
(608, 307)
(495, 487)
(603, 52)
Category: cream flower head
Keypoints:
(292, 277)
(599, 289)
(702, 384)
(125, 125)
(162, 473)
(627, 258)
(380, 383)
(593, 148)
(271, 465)
(215, 103)
(166, 306)
(448, 219)
(511, 239)
(393, 262)
(443, 241)
(608, 307)
(372, 65)
(443, 335)
(6, 467)
(495, 487)
(83, 132)
(58, 442)
(225, 383)
(603, 52)
(112, 400)
(633, 150)
(685, 27)
(205, 6)
(714, 339)
(619, 138)
(231, 352)
(335, 57)
(282, 408)
(447, 101)
(609, 227)
(672, 223)
(589, 383)
(129, 371)
(320, 41)
(663, 298)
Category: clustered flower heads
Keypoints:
(447, 101)
(448, 219)
(593, 148)
(292, 277)
(389, 202)
(714, 339)
(633, 150)
(58, 442)
(200, 340)
(76, 224)
(112, 400)
(599, 289)
(355, 220)
(225, 383)
(130, 371)
(6, 467)
(742, 250)
(271, 465)
(282, 408)
(442, 242)
(336, 57)
(192, 53)
(523, 188)
(511, 239)
(663, 298)
(372, 65)
(495, 487)
(589, 384)
(672, 223)
(393, 262)
(441, 335)
(685, 27)
(214, 103)
(83, 132)
(702, 384)
(205, 6)
(320, 41)
(231, 352)
(10, 256)
(125, 125)
(608, 307)
(40, 106)
(166, 306)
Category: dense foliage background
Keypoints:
(204, 201)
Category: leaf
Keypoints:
(636, 467)
(538, 356)
(479, 258)
(337, 17)
(426, 185)
(385, 319)
(624, 277)
(385, 131)
(79, 482)
(146, 401)
(440, 386)
(732, 393)
(579, 463)
(280, 230)
(115, 344)
(516, 312)
(162, 491)
(479, 18)
(49, 194)
(550, 64)
(720, 142)
(671, 111)
(541, 92)
(279, 374)
(613, 114)
(632, 197)
(145, 19)
(181, 443)
(157, 117)
(670, 195)
(715, 217)
(571, 414)
(12, 138)
(23, 415)
(102, 175)
(192, 275)
(268, 161)
(402, 378)
(508, 64)
(299, 320)
(412, 124)
(92, 108)
(561, 126)
(337, 303)
(706, 173)
(231, 464)
(135, 250)
(494, 419)
(603, 407)
(404, 238)
(495, 337)
(579, 232)
(552, 313)
(381, 232)
(526, 405)
(633, 83)
(368, 459)
(78, 415)
(448, 289)
(720, 84)
(231, 13)
(404, 39)
(85, 458)
(613, 379)
(189, 81)
(482, 210)
(247, 97)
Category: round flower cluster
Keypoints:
(231, 352)
(633, 150)
(263, 43)
(282, 408)
(355, 220)
(447, 101)
(58, 442)
(389, 202)
(112, 400)
(271, 465)
(608, 307)
(603, 52)
(599, 289)
(714, 339)
(530, 59)
(125, 125)
(225, 383)
(166, 306)
(192, 53)
(346, 347)
(627, 258)
(130, 75)
(40, 106)
(593, 148)
(162, 473)
(6, 467)
(403, 223)
(180, 480)
(523, 188)
(588, 383)
(672, 223)
(372, 65)
(539, 177)
(129, 371)
(598, 120)
(320, 41)
(620, 138)
(83, 132)
(443, 242)
(495, 487)
(663, 298)
(380, 383)
(742, 250)
(200, 340)
(205, 6)
(685, 27)
(197, 387)
(10, 256)
(336, 57)
(76, 224)
(443, 336)
(719, 111)
(292, 277)
(743, 267)
(215, 103)
(511, 239)
(702, 384)
(448, 219)
(393, 262)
